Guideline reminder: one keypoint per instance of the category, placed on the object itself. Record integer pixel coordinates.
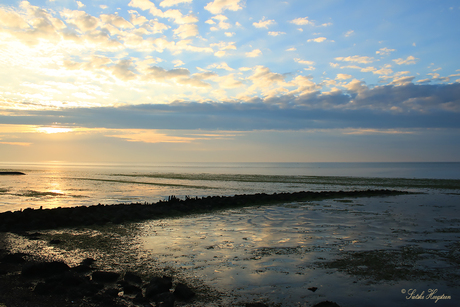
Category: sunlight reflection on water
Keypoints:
(270, 252)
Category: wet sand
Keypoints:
(355, 251)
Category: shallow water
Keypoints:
(357, 251)
(63, 185)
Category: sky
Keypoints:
(229, 81)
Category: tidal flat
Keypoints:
(364, 251)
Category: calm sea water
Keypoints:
(270, 253)
(60, 184)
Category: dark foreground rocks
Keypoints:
(35, 219)
(25, 282)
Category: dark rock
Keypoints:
(82, 268)
(87, 261)
(158, 285)
(183, 292)
(132, 278)
(256, 305)
(112, 292)
(326, 304)
(72, 279)
(44, 288)
(102, 276)
(90, 288)
(165, 299)
(140, 299)
(104, 299)
(14, 258)
(55, 241)
(44, 269)
(130, 289)
(313, 289)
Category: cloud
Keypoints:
(343, 76)
(221, 65)
(349, 33)
(409, 60)
(124, 70)
(304, 62)
(358, 107)
(317, 40)
(116, 21)
(186, 30)
(356, 59)
(143, 5)
(176, 15)
(263, 23)
(166, 3)
(384, 51)
(162, 75)
(254, 53)
(82, 20)
(80, 5)
(272, 33)
(218, 6)
(221, 25)
(177, 63)
(145, 136)
(301, 21)
(12, 19)
(263, 77)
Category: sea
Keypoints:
(399, 250)
(60, 184)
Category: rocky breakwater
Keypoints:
(35, 219)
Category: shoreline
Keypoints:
(40, 219)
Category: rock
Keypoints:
(158, 285)
(140, 299)
(129, 288)
(256, 305)
(82, 268)
(44, 269)
(183, 292)
(13, 258)
(326, 304)
(55, 241)
(43, 288)
(165, 299)
(87, 261)
(105, 277)
(72, 279)
(112, 292)
(132, 278)
(313, 289)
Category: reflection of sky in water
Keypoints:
(269, 252)
(275, 253)
(81, 185)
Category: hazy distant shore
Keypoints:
(36, 219)
(12, 173)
